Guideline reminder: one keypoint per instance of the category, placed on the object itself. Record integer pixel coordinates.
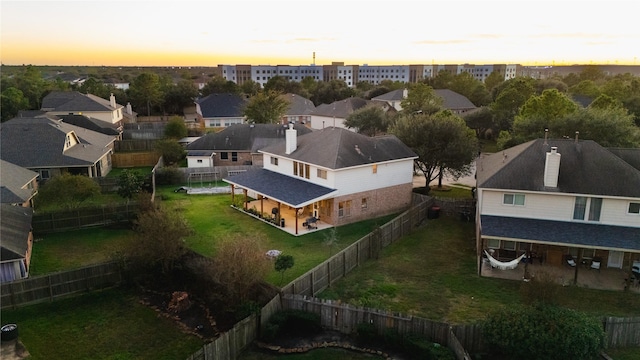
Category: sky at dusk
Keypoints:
(356, 32)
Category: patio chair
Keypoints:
(595, 263)
(569, 260)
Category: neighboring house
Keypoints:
(17, 242)
(299, 111)
(85, 122)
(238, 144)
(560, 199)
(221, 110)
(51, 147)
(334, 114)
(333, 174)
(18, 185)
(75, 103)
(451, 100)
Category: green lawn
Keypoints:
(213, 219)
(320, 354)
(109, 324)
(432, 273)
(115, 172)
(73, 249)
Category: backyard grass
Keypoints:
(453, 192)
(108, 324)
(74, 249)
(320, 354)
(432, 274)
(213, 220)
(115, 172)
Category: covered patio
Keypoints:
(285, 202)
(575, 253)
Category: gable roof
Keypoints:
(341, 108)
(395, 95)
(75, 101)
(630, 156)
(298, 105)
(39, 142)
(244, 137)
(12, 180)
(453, 100)
(15, 225)
(450, 99)
(337, 148)
(91, 124)
(221, 105)
(585, 168)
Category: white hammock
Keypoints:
(504, 265)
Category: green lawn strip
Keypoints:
(103, 199)
(73, 249)
(109, 324)
(115, 172)
(453, 192)
(319, 354)
(624, 353)
(433, 274)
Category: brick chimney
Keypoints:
(552, 168)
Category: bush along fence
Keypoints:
(345, 318)
(53, 286)
(83, 217)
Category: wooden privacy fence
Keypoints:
(134, 159)
(135, 145)
(231, 343)
(368, 247)
(83, 217)
(346, 318)
(621, 332)
(50, 287)
(211, 173)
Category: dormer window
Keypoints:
(67, 142)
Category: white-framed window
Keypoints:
(199, 161)
(322, 174)
(509, 245)
(513, 199)
(634, 208)
(586, 208)
(234, 156)
(364, 204)
(44, 174)
(224, 155)
(493, 244)
(344, 208)
(274, 161)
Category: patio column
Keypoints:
(295, 216)
(245, 198)
(261, 205)
(578, 264)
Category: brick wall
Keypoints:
(378, 203)
(244, 158)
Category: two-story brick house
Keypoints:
(333, 174)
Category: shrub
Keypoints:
(542, 289)
(292, 322)
(412, 346)
(543, 332)
(168, 176)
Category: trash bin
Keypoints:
(281, 222)
(433, 212)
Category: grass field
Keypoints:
(432, 273)
(109, 324)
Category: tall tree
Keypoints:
(218, 85)
(145, 91)
(370, 120)
(421, 98)
(175, 128)
(11, 102)
(442, 141)
(266, 107)
(509, 97)
(551, 104)
(328, 92)
(178, 96)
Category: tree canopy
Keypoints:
(442, 141)
(369, 120)
(175, 128)
(421, 98)
(266, 107)
(145, 91)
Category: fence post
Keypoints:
(329, 272)
(311, 280)
(50, 288)
(344, 263)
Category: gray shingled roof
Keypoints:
(630, 156)
(221, 105)
(75, 101)
(298, 105)
(91, 124)
(244, 137)
(454, 101)
(294, 192)
(341, 108)
(39, 142)
(562, 232)
(15, 225)
(12, 180)
(585, 168)
(394, 95)
(337, 148)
